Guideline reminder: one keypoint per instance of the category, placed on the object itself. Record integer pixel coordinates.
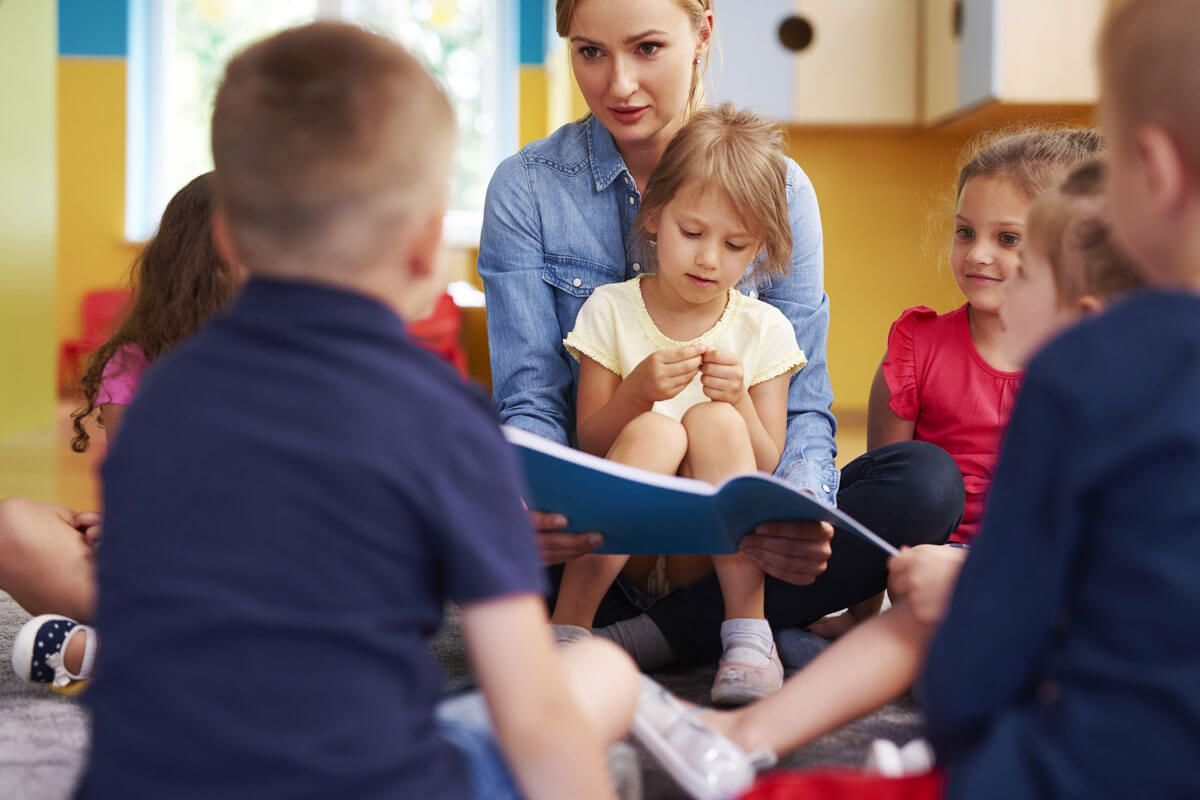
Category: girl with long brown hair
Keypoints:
(178, 282)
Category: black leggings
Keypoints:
(909, 493)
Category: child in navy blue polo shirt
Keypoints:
(297, 491)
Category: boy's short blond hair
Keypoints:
(1150, 69)
(1068, 223)
(740, 154)
(327, 141)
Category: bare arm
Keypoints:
(766, 417)
(884, 426)
(111, 414)
(545, 737)
(606, 403)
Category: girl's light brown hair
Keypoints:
(1068, 223)
(178, 282)
(564, 11)
(1031, 160)
(740, 154)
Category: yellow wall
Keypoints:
(28, 50)
(92, 251)
(886, 200)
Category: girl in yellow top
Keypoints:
(682, 374)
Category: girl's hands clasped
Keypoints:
(722, 376)
(665, 373)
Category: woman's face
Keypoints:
(633, 61)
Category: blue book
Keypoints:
(641, 512)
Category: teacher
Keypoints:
(558, 222)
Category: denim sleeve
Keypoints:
(808, 454)
(531, 380)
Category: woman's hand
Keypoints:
(88, 523)
(664, 373)
(558, 547)
(924, 576)
(796, 552)
(722, 376)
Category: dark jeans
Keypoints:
(909, 493)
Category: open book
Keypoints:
(641, 512)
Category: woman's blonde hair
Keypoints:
(740, 154)
(564, 11)
(1069, 224)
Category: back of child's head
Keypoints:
(178, 282)
(328, 142)
(1068, 223)
(739, 154)
(1150, 70)
(1031, 160)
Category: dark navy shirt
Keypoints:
(292, 497)
(1069, 662)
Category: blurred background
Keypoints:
(104, 108)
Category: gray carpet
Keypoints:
(43, 737)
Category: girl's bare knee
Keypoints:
(715, 416)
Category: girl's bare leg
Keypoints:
(650, 441)
(870, 666)
(45, 564)
(604, 682)
(718, 447)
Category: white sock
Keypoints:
(748, 641)
(564, 634)
(642, 639)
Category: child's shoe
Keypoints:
(892, 761)
(704, 763)
(750, 667)
(38, 651)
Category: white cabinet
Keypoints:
(1014, 51)
(859, 66)
(902, 62)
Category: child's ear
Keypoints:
(1089, 304)
(221, 238)
(425, 245)
(651, 224)
(1166, 175)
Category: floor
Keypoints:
(43, 737)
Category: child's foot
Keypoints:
(704, 763)
(55, 650)
(750, 667)
(565, 634)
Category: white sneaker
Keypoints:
(37, 652)
(738, 682)
(892, 761)
(704, 763)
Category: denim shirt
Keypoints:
(557, 223)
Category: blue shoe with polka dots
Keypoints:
(38, 650)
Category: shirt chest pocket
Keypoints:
(577, 276)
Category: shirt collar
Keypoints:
(607, 164)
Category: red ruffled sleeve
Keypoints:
(900, 367)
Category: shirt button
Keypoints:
(825, 488)
(631, 200)
(577, 282)
(637, 267)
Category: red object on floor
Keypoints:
(439, 333)
(102, 311)
(846, 784)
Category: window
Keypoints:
(178, 51)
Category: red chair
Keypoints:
(102, 311)
(439, 333)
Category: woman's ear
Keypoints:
(1089, 304)
(704, 36)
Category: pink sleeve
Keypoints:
(121, 376)
(900, 366)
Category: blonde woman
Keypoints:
(559, 223)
